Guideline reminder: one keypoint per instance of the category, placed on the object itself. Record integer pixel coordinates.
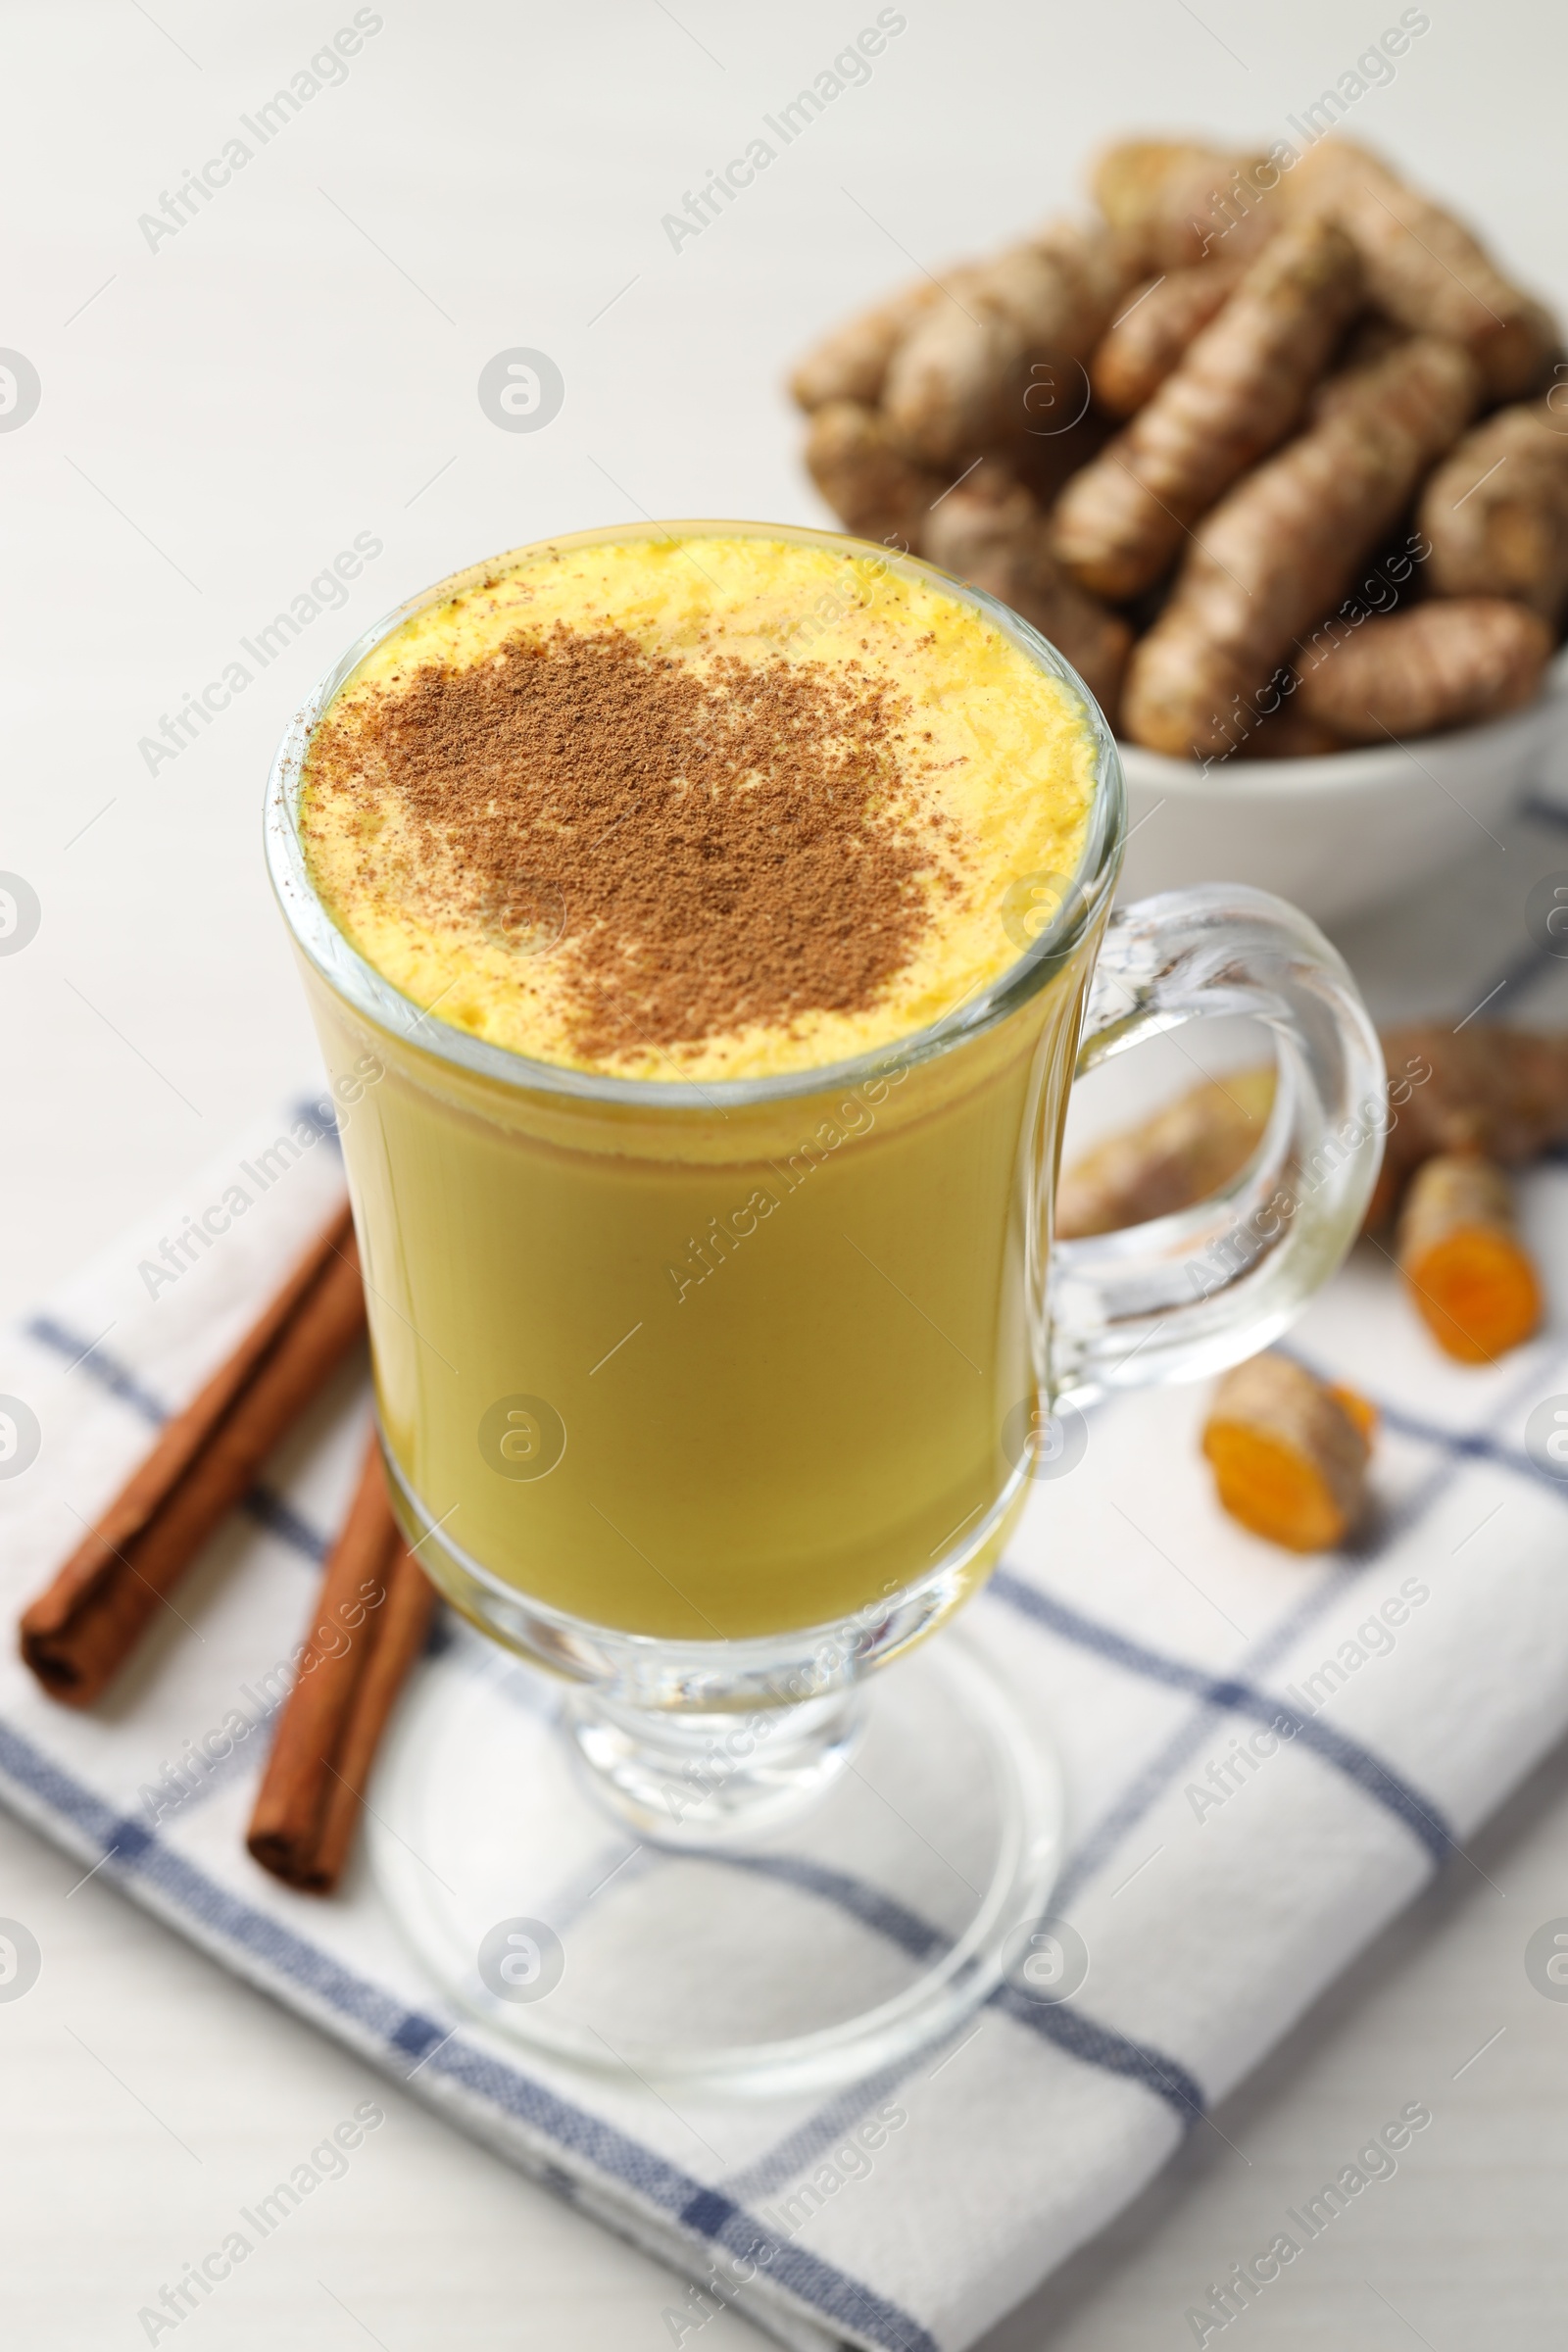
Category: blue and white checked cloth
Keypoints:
(1219, 1876)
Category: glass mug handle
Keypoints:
(1189, 1293)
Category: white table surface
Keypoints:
(219, 416)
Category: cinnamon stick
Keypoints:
(77, 1634)
(372, 1617)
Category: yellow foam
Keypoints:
(991, 743)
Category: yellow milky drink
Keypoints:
(706, 1295)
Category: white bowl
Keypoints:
(1339, 834)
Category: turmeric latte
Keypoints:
(694, 806)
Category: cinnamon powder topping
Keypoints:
(741, 846)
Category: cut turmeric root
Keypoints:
(1288, 1453)
(1178, 1156)
(1484, 1088)
(1362, 1411)
(1470, 1275)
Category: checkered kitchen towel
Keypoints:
(1423, 1672)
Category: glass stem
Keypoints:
(715, 1779)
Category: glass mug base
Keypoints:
(917, 1827)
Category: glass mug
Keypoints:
(712, 1398)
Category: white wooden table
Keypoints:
(225, 406)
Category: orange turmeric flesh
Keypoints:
(1288, 1453)
(1468, 1272)
(1477, 1292)
(1272, 1488)
(1362, 1411)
